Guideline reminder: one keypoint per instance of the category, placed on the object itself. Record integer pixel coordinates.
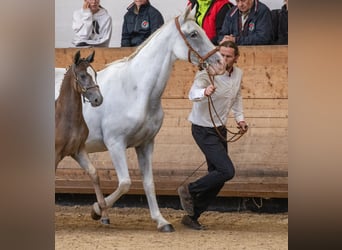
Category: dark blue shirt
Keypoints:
(257, 29)
(138, 27)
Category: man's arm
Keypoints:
(125, 36)
(201, 88)
(82, 24)
(237, 109)
(157, 20)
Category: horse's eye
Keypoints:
(194, 34)
(82, 76)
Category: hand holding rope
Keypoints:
(235, 135)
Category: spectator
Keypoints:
(210, 15)
(92, 25)
(196, 196)
(280, 24)
(140, 21)
(249, 23)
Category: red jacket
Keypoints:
(213, 17)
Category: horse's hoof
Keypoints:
(105, 221)
(94, 215)
(168, 228)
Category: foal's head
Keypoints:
(85, 79)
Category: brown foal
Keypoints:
(71, 130)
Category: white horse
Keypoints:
(131, 113)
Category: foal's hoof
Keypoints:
(94, 215)
(105, 221)
(168, 228)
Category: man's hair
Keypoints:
(230, 44)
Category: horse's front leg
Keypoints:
(117, 152)
(83, 159)
(144, 153)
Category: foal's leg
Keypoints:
(83, 159)
(144, 153)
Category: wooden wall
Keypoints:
(260, 156)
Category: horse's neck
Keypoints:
(153, 65)
(69, 98)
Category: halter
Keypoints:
(202, 60)
(83, 89)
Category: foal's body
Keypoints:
(71, 130)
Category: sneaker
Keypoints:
(191, 223)
(186, 199)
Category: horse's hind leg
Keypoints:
(144, 154)
(83, 159)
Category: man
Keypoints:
(196, 196)
(92, 25)
(210, 15)
(140, 21)
(249, 23)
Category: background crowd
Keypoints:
(245, 22)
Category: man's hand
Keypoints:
(228, 38)
(242, 125)
(86, 4)
(208, 91)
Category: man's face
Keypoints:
(228, 55)
(244, 5)
(140, 2)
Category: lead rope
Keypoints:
(235, 135)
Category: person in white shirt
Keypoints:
(92, 25)
(196, 196)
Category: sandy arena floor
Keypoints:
(133, 228)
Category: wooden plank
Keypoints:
(78, 182)
(253, 122)
(258, 82)
(275, 113)
(185, 138)
(249, 55)
(263, 78)
(248, 103)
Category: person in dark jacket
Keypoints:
(210, 16)
(249, 23)
(280, 24)
(140, 21)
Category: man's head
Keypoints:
(244, 5)
(230, 52)
(138, 3)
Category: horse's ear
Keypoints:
(90, 58)
(192, 12)
(77, 57)
(188, 14)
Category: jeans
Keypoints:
(220, 167)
